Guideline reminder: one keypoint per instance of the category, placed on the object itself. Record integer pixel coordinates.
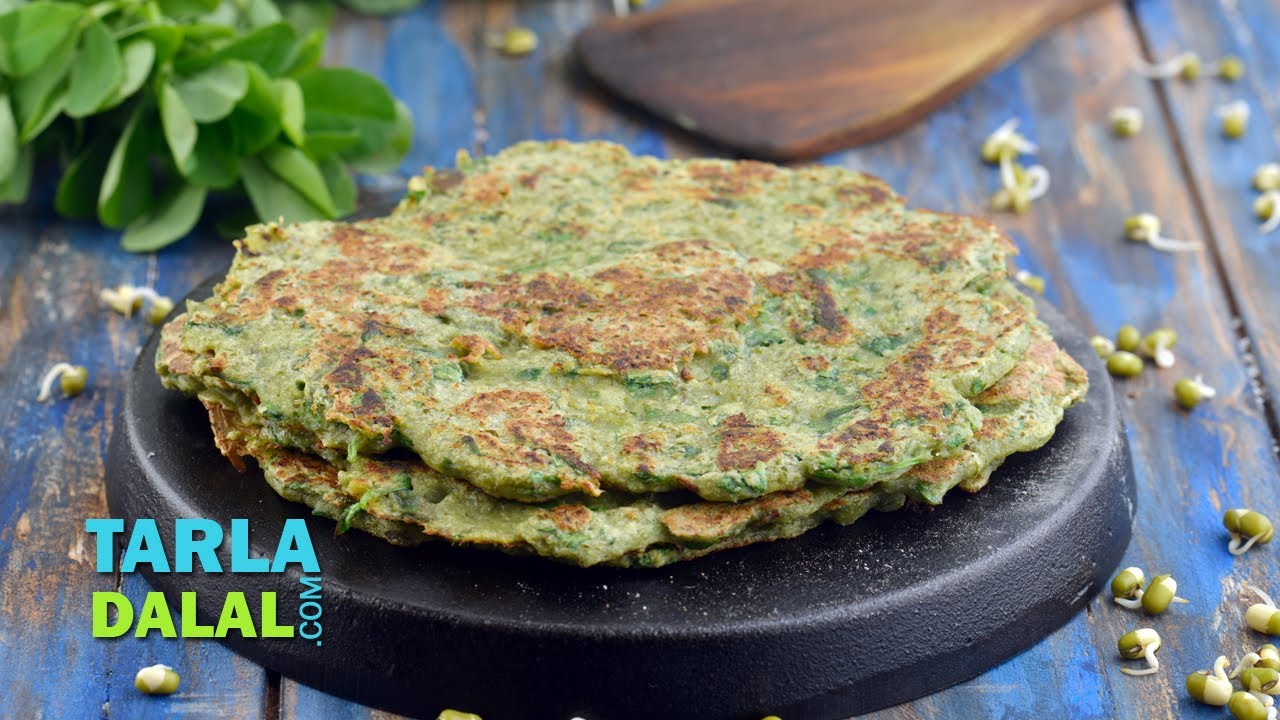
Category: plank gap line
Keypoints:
(271, 696)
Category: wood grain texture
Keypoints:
(782, 80)
(1190, 466)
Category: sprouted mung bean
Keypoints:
(157, 680)
(1247, 528)
(1263, 617)
(1103, 346)
(1126, 121)
(514, 41)
(1128, 338)
(1157, 346)
(1235, 118)
(1123, 363)
(1033, 282)
(1190, 392)
(1266, 177)
(71, 380)
(1211, 687)
(127, 299)
(1185, 65)
(1145, 228)
(1267, 208)
(1140, 643)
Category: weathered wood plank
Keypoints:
(51, 460)
(1221, 168)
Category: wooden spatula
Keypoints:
(790, 79)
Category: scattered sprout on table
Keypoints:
(1185, 65)
(1128, 338)
(1123, 363)
(1126, 587)
(1126, 121)
(1019, 185)
(1211, 688)
(1235, 118)
(1246, 662)
(1156, 345)
(71, 380)
(126, 299)
(1190, 392)
(157, 680)
(1267, 208)
(1140, 643)
(1247, 527)
(1261, 679)
(1264, 616)
(1268, 656)
(1033, 282)
(1250, 706)
(1229, 68)
(1103, 346)
(1006, 141)
(457, 715)
(514, 41)
(1145, 227)
(1267, 177)
(1160, 593)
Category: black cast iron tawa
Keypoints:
(837, 622)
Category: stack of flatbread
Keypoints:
(570, 351)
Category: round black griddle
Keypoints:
(840, 621)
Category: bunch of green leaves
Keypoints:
(151, 105)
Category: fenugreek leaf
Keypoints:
(77, 195)
(274, 198)
(31, 34)
(293, 112)
(8, 137)
(211, 94)
(137, 56)
(14, 187)
(270, 47)
(96, 73)
(180, 129)
(342, 187)
(126, 184)
(173, 216)
(41, 95)
(301, 172)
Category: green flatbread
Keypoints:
(405, 502)
(566, 319)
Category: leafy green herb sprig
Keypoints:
(151, 105)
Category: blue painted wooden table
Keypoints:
(1224, 301)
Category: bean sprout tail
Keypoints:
(46, 383)
(1245, 548)
(1160, 242)
(1246, 662)
(1266, 599)
(1037, 181)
